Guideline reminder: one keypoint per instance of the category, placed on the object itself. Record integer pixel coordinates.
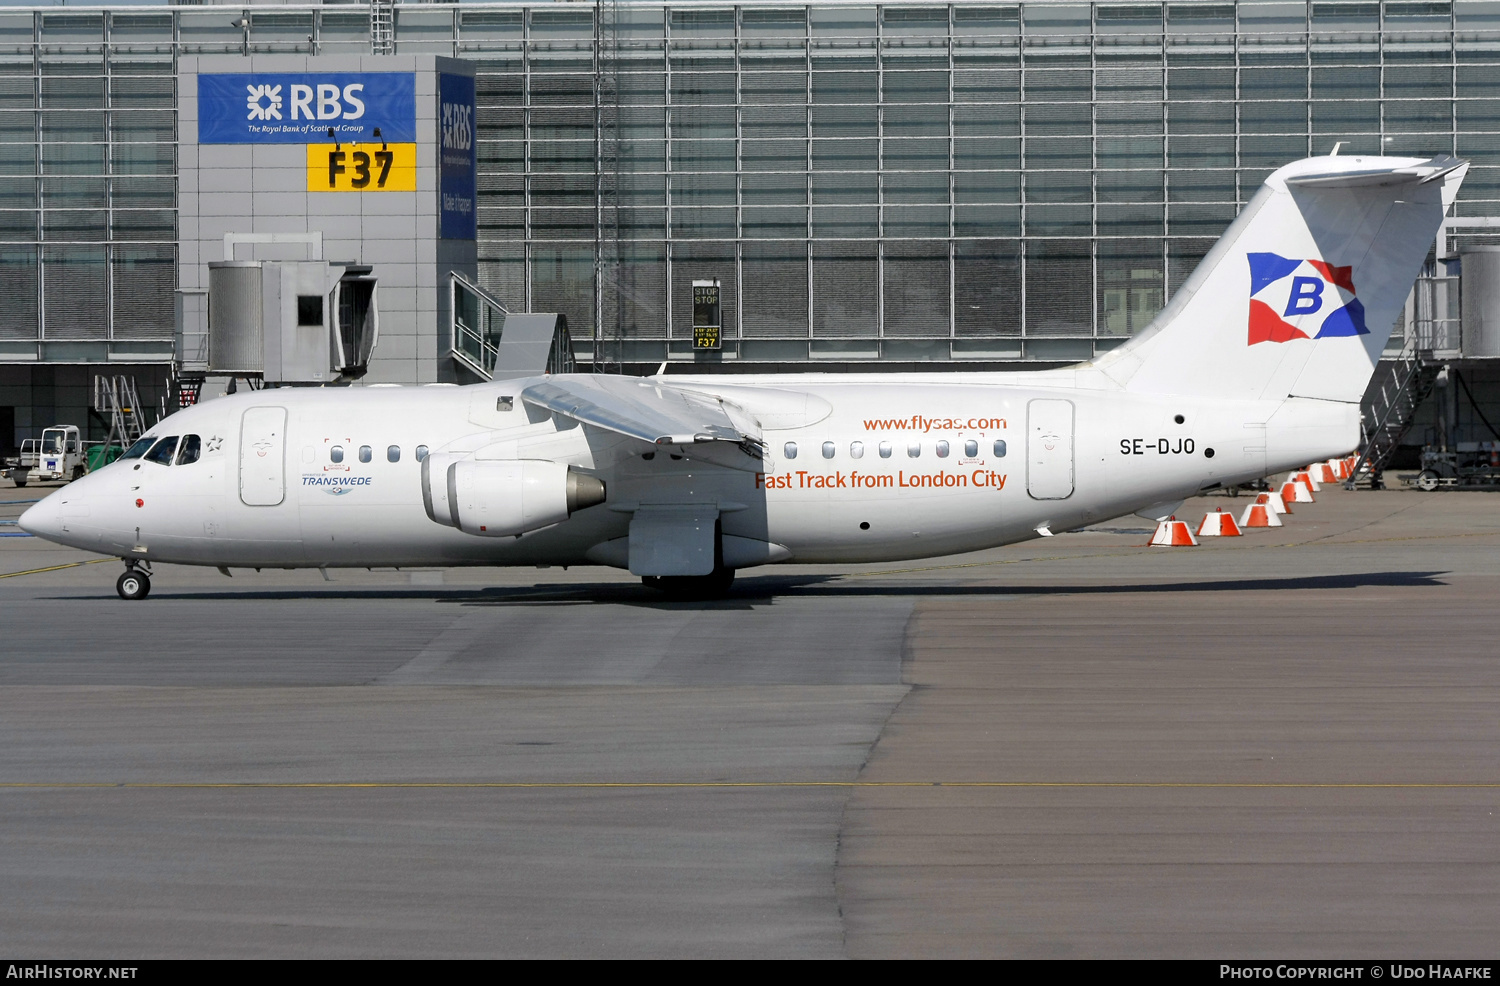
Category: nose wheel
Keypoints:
(134, 584)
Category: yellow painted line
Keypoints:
(649, 785)
(54, 568)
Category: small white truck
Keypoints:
(58, 454)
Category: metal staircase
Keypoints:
(1402, 382)
(187, 388)
(116, 401)
(1399, 387)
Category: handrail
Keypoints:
(476, 346)
(1395, 390)
(479, 291)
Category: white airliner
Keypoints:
(1256, 365)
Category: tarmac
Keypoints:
(1283, 745)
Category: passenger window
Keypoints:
(885, 450)
(421, 452)
(192, 447)
(828, 449)
(914, 450)
(139, 448)
(365, 453)
(161, 452)
(856, 450)
(999, 448)
(942, 450)
(971, 448)
(790, 450)
(336, 454)
(393, 454)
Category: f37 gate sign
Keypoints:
(300, 108)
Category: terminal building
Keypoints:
(860, 186)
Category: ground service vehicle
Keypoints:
(58, 454)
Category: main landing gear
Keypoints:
(135, 583)
(693, 587)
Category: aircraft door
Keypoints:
(1049, 449)
(263, 456)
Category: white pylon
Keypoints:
(1217, 523)
(1172, 533)
(1296, 491)
(1274, 502)
(1260, 515)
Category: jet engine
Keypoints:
(504, 498)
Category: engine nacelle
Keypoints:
(435, 487)
(504, 498)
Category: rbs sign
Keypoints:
(299, 108)
(457, 219)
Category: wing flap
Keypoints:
(640, 408)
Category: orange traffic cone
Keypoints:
(1324, 472)
(1172, 533)
(1273, 502)
(1340, 469)
(1216, 523)
(1306, 476)
(1296, 492)
(1260, 515)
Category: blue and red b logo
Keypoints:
(1301, 299)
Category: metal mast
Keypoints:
(608, 326)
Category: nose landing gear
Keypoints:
(135, 583)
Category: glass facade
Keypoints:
(951, 182)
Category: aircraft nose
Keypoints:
(44, 519)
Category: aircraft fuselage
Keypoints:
(882, 470)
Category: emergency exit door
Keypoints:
(263, 456)
(1049, 449)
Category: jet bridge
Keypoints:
(291, 321)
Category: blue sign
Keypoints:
(456, 159)
(300, 108)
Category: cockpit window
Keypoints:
(139, 448)
(191, 448)
(162, 451)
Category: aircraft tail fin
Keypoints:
(1299, 296)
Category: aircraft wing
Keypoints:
(645, 409)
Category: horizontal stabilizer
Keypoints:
(1417, 174)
